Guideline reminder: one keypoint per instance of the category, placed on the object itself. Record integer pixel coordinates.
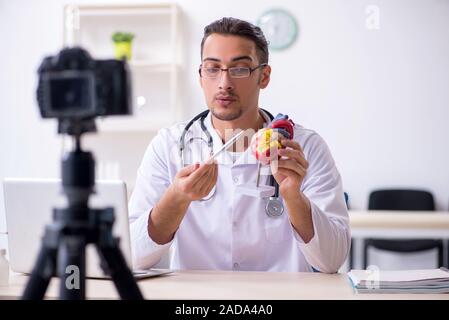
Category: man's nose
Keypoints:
(225, 81)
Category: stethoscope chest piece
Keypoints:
(274, 207)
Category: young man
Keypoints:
(232, 231)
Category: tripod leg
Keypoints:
(118, 269)
(42, 272)
(72, 268)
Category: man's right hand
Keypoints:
(196, 181)
(191, 183)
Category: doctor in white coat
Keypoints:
(231, 230)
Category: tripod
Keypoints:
(63, 250)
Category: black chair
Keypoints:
(411, 200)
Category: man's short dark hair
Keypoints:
(237, 27)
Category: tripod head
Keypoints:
(78, 166)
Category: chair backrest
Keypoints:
(401, 199)
(346, 195)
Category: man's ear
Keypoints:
(200, 79)
(265, 77)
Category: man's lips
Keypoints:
(225, 100)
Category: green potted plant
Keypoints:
(122, 44)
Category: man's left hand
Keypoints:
(290, 170)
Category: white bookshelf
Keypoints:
(155, 62)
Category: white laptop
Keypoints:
(29, 207)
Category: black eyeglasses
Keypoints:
(234, 72)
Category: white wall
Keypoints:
(380, 98)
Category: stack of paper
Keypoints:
(403, 281)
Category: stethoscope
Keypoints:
(274, 206)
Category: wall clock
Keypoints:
(279, 27)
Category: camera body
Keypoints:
(73, 86)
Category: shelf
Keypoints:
(152, 66)
(155, 62)
(131, 123)
(117, 10)
(125, 12)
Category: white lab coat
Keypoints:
(231, 231)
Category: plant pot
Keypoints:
(122, 50)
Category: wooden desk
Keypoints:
(399, 224)
(227, 285)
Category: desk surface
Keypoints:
(261, 285)
(227, 285)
